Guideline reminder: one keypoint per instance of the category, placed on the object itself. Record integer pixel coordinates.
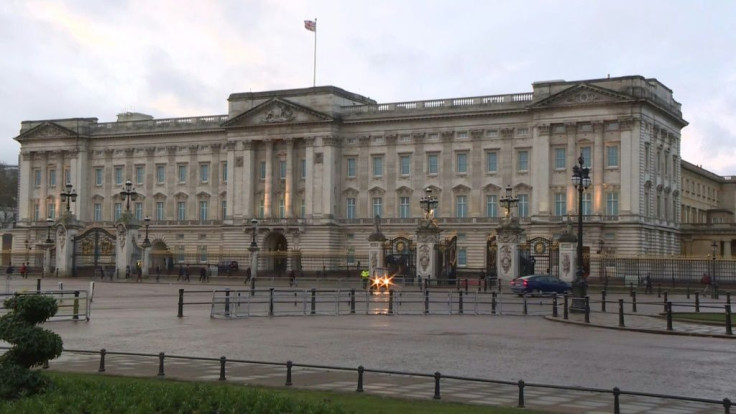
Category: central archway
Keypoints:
(161, 256)
(276, 252)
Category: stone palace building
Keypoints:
(314, 166)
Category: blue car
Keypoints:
(539, 285)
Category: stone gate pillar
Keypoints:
(376, 260)
(509, 236)
(127, 232)
(67, 229)
(568, 257)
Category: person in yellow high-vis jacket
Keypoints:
(365, 275)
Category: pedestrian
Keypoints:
(187, 273)
(648, 283)
(139, 272)
(202, 274)
(247, 276)
(158, 273)
(181, 274)
(365, 275)
(127, 271)
(705, 280)
(10, 271)
(292, 278)
(23, 270)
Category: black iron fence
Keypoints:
(672, 271)
(617, 396)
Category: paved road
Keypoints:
(142, 318)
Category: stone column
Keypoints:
(268, 186)
(127, 231)
(289, 193)
(568, 256)
(309, 184)
(46, 265)
(234, 176)
(249, 178)
(427, 237)
(508, 237)
(66, 229)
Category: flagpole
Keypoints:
(314, 71)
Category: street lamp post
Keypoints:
(68, 195)
(128, 193)
(508, 202)
(581, 181)
(146, 242)
(50, 223)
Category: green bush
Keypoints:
(32, 346)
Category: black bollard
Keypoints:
(75, 315)
(565, 310)
(526, 310)
(665, 301)
(314, 301)
(460, 303)
(493, 303)
(603, 300)
(360, 379)
(728, 320)
(437, 377)
(688, 292)
(631, 289)
(38, 285)
(521, 394)
(352, 300)
(659, 290)
(390, 302)
(621, 313)
(697, 301)
(222, 368)
(426, 302)
(587, 309)
(227, 302)
(288, 373)
(102, 360)
(554, 305)
(180, 314)
(161, 357)
(633, 302)
(668, 308)
(616, 404)
(466, 285)
(728, 298)
(270, 302)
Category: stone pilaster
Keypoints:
(508, 237)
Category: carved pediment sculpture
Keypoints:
(583, 94)
(277, 111)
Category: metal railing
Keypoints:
(73, 304)
(616, 394)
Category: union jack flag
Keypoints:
(310, 25)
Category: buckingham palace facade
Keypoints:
(315, 166)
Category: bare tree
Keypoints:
(8, 194)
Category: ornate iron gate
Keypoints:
(93, 251)
(400, 257)
(539, 256)
(447, 260)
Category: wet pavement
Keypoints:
(691, 361)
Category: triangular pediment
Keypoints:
(583, 94)
(275, 112)
(47, 130)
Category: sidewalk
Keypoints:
(542, 399)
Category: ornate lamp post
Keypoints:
(146, 242)
(253, 257)
(428, 202)
(508, 201)
(254, 224)
(128, 193)
(50, 223)
(68, 195)
(581, 181)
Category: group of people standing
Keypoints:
(23, 270)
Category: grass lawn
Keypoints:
(704, 317)
(90, 393)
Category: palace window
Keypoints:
(587, 160)
(404, 165)
(51, 209)
(203, 207)
(461, 206)
(587, 204)
(138, 208)
(461, 163)
(377, 206)
(204, 173)
(223, 209)
(262, 170)
(523, 205)
(282, 170)
(224, 172)
(182, 173)
(612, 156)
(492, 206)
(404, 207)
(118, 175)
(37, 178)
(98, 176)
(160, 174)
(612, 203)
(282, 208)
(303, 169)
(523, 159)
(491, 161)
(139, 174)
(117, 211)
(160, 210)
(36, 211)
(351, 167)
(377, 166)
(181, 210)
(560, 159)
(97, 216)
(350, 208)
(52, 178)
(462, 256)
(432, 164)
(560, 204)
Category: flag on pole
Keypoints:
(310, 25)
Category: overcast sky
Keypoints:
(178, 58)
